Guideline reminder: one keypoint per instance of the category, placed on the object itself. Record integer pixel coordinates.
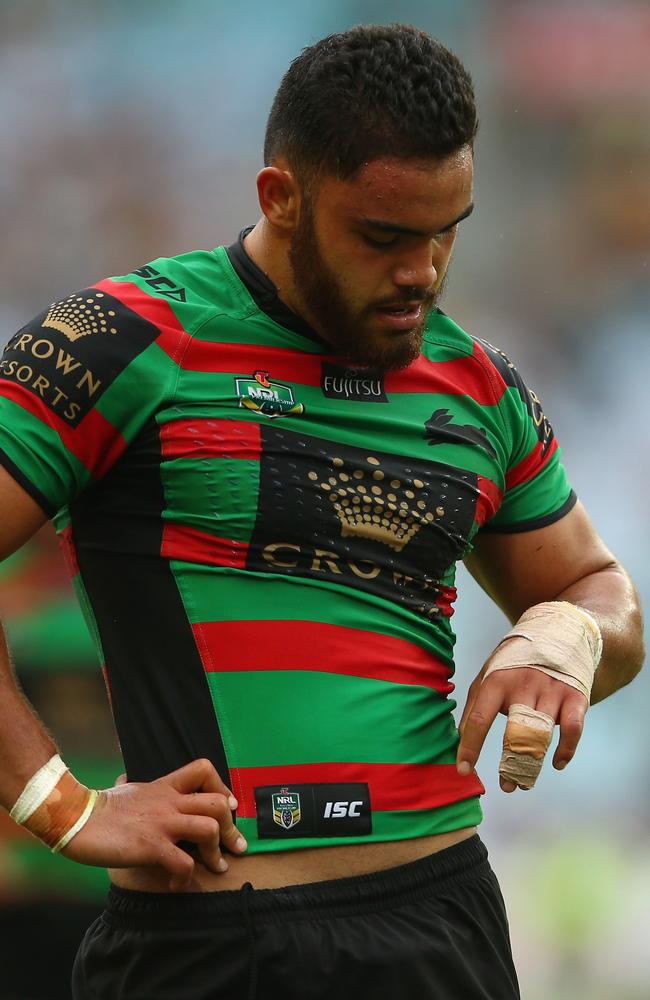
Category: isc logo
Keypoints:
(337, 810)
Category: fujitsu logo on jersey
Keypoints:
(357, 384)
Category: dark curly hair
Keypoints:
(375, 90)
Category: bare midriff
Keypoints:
(281, 868)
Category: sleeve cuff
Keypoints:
(537, 522)
(27, 485)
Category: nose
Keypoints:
(416, 271)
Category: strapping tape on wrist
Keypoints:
(53, 805)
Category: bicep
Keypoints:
(520, 569)
(20, 515)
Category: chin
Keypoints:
(399, 352)
(361, 345)
(390, 356)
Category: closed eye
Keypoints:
(380, 244)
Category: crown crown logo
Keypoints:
(79, 316)
(371, 505)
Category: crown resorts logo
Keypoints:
(79, 316)
(370, 505)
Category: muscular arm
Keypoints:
(565, 561)
(25, 745)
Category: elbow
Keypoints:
(637, 650)
(624, 656)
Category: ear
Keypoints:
(279, 197)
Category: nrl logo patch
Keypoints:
(270, 398)
(286, 808)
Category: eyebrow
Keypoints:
(395, 227)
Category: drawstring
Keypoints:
(246, 891)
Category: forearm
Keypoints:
(25, 744)
(611, 598)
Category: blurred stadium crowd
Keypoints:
(133, 130)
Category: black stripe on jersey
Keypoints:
(536, 522)
(512, 378)
(160, 696)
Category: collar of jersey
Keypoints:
(264, 293)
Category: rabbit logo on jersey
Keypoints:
(286, 808)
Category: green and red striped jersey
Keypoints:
(264, 539)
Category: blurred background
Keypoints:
(132, 130)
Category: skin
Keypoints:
(335, 265)
(563, 561)
(318, 249)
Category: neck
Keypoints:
(271, 254)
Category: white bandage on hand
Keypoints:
(555, 637)
(565, 643)
(526, 740)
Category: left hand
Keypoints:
(527, 686)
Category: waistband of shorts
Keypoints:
(354, 894)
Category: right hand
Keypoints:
(139, 823)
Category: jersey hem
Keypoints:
(388, 826)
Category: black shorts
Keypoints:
(432, 929)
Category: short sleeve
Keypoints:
(536, 491)
(77, 383)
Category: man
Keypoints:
(264, 462)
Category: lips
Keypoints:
(401, 315)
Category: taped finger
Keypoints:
(525, 742)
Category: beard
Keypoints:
(325, 306)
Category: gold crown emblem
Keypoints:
(370, 505)
(78, 316)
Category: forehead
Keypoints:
(416, 191)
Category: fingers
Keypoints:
(525, 742)
(204, 814)
(571, 719)
(550, 703)
(203, 831)
(210, 846)
(199, 775)
(532, 689)
(567, 707)
(180, 866)
(141, 823)
(211, 855)
(216, 806)
(475, 724)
